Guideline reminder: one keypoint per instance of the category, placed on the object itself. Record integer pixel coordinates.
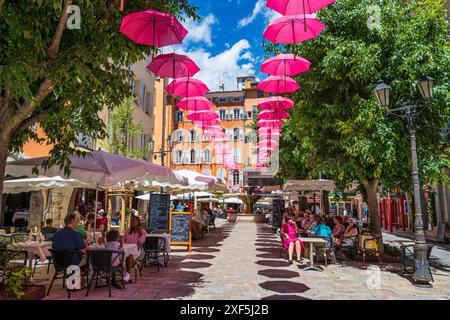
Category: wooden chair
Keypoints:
(368, 244)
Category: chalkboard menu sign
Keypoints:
(158, 212)
(180, 229)
(277, 215)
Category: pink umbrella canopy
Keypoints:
(278, 84)
(265, 149)
(195, 104)
(205, 115)
(273, 114)
(268, 143)
(207, 124)
(187, 87)
(270, 130)
(269, 135)
(293, 29)
(269, 123)
(173, 65)
(153, 28)
(285, 65)
(276, 103)
(294, 7)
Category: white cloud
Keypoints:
(226, 66)
(200, 31)
(259, 6)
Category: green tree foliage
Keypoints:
(337, 128)
(123, 132)
(63, 77)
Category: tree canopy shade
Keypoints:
(62, 77)
(337, 128)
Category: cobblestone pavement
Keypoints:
(241, 261)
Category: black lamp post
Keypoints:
(162, 152)
(422, 276)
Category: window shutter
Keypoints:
(241, 178)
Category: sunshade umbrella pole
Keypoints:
(95, 210)
(304, 16)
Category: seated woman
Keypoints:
(338, 230)
(290, 238)
(322, 230)
(351, 233)
(136, 235)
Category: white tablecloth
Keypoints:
(131, 249)
(33, 248)
(166, 236)
(20, 215)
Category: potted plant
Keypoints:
(391, 254)
(15, 287)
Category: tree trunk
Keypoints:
(374, 223)
(4, 146)
(326, 202)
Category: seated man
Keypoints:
(69, 239)
(49, 230)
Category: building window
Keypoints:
(230, 134)
(237, 155)
(193, 156)
(235, 177)
(178, 156)
(133, 87)
(222, 173)
(178, 116)
(179, 136)
(223, 100)
(142, 95)
(237, 99)
(222, 114)
(236, 114)
(168, 99)
(193, 136)
(260, 94)
(207, 156)
(206, 172)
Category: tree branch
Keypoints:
(2, 3)
(23, 113)
(54, 46)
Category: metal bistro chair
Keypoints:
(62, 260)
(211, 224)
(407, 263)
(48, 237)
(19, 254)
(154, 247)
(7, 265)
(102, 262)
(326, 250)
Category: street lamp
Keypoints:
(162, 152)
(422, 276)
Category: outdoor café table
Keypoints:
(312, 242)
(33, 248)
(166, 236)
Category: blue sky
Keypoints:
(226, 41)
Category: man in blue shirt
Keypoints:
(68, 239)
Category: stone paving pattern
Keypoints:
(241, 261)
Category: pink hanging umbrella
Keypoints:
(279, 84)
(195, 104)
(269, 123)
(293, 29)
(206, 124)
(266, 149)
(273, 114)
(269, 130)
(285, 65)
(205, 115)
(173, 65)
(276, 103)
(294, 7)
(269, 135)
(153, 28)
(187, 87)
(268, 143)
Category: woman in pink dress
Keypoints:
(290, 238)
